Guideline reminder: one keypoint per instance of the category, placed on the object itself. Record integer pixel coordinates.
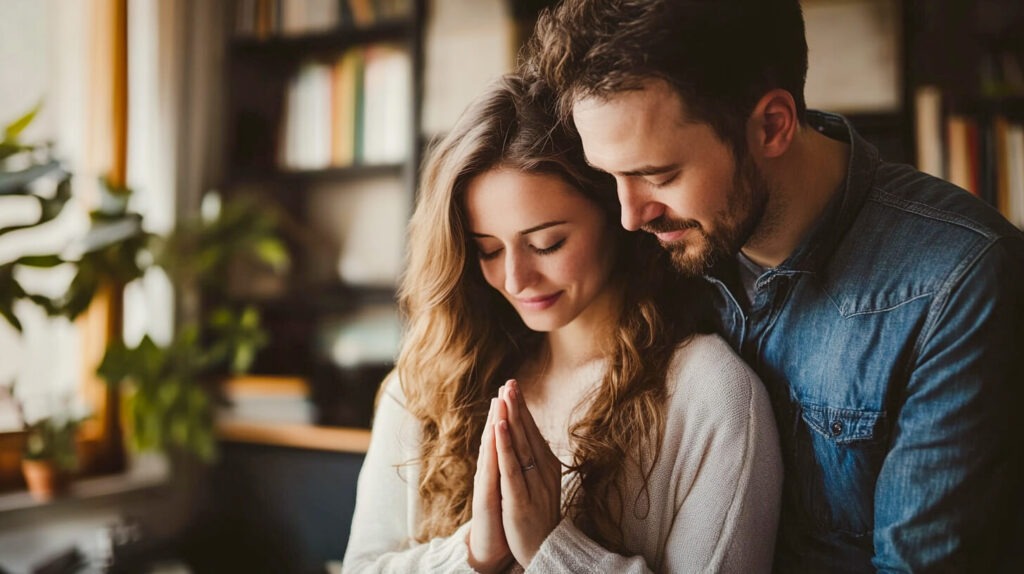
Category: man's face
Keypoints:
(675, 177)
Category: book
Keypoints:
(345, 86)
(386, 118)
(928, 130)
(958, 148)
(268, 399)
(1015, 174)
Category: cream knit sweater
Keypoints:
(714, 490)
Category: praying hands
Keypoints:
(517, 488)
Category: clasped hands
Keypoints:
(517, 490)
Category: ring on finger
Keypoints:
(530, 465)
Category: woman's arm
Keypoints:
(387, 507)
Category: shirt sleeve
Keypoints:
(947, 493)
(386, 508)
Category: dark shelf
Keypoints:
(258, 73)
(328, 41)
(1011, 105)
(331, 174)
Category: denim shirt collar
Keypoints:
(813, 253)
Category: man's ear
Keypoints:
(772, 124)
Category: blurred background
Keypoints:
(202, 224)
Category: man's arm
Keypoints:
(947, 496)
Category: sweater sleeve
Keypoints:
(386, 505)
(567, 549)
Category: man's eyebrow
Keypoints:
(527, 231)
(651, 170)
(640, 171)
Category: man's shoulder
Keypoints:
(932, 204)
(914, 236)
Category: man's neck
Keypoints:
(803, 181)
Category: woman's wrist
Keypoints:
(485, 567)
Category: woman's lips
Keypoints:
(539, 303)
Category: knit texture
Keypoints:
(712, 502)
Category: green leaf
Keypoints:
(116, 365)
(44, 261)
(81, 291)
(14, 129)
(8, 149)
(168, 393)
(273, 252)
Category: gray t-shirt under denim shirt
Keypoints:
(749, 272)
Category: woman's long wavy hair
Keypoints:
(463, 340)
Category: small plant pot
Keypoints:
(45, 481)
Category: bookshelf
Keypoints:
(321, 121)
(967, 80)
(935, 83)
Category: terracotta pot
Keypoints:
(44, 480)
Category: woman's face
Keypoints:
(542, 244)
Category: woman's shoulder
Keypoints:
(707, 375)
(708, 355)
(391, 394)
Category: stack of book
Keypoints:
(978, 146)
(354, 110)
(262, 399)
(265, 18)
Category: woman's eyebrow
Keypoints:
(527, 231)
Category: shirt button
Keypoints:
(837, 428)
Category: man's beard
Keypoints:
(701, 249)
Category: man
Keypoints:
(882, 307)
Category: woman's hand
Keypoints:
(488, 550)
(531, 477)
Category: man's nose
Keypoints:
(638, 207)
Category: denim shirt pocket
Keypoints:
(839, 453)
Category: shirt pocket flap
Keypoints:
(843, 426)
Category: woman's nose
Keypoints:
(519, 272)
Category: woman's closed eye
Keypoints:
(488, 255)
(551, 248)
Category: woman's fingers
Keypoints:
(488, 547)
(513, 486)
(530, 499)
(538, 444)
(520, 442)
(488, 462)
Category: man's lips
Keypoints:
(672, 236)
(539, 303)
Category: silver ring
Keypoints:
(529, 465)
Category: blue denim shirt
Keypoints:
(892, 344)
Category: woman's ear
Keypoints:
(772, 124)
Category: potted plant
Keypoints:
(50, 455)
(171, 390)
(50, 450)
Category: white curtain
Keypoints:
(48, 52)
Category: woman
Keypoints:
(551, 408)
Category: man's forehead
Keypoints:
(650, 96)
